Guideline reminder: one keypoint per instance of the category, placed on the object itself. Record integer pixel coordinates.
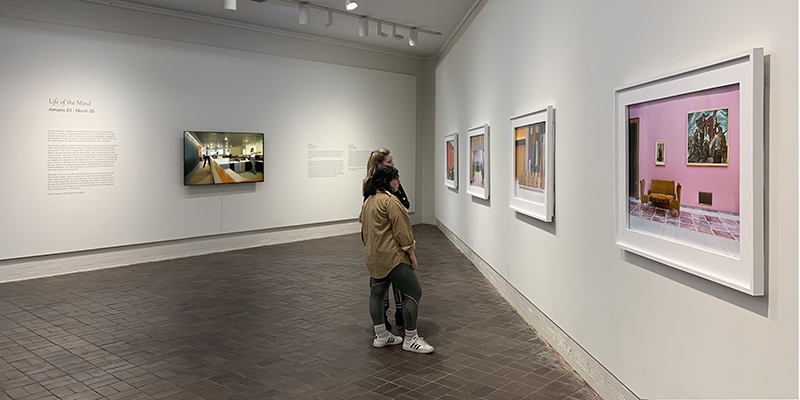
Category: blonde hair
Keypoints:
(375, 161)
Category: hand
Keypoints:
(413, 258)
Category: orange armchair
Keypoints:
(663, 194)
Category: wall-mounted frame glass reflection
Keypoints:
(478, 161)
(699, 207)
(451, 160)
(531, 156)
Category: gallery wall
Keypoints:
(65, 87)
(661, 332)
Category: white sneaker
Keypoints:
(390, 340)
(418, 345)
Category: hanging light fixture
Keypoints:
(303, 18)
(380, 31)
(230, 5)
(395, 34)
(363, 26)
(412, 37)
(350, 5)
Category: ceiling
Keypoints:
(282, 16)
(223, 140)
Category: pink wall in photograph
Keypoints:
(667, 120)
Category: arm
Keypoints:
(401, 195)
(401, 228)
(413, 258)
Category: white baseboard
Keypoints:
(598, 377)
(60, 264)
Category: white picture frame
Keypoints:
(531, 163)
(451, 160)
(736, 261)
(477, 156)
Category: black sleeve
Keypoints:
(401, 194)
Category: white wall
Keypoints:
(202, 77)
(663, 333)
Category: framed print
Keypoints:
(478, 161)
(531, 164)
(451, 160)
(706, 221)
(661, 152)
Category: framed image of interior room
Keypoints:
(477, 151)
(666, 213)
(451, 160)
(531, 164)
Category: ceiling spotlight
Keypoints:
(330, 19)
(412, 37)
(363, 26)
(395, 34)
(380, 31)
(303, 14)
(350, 5)
(230, 5)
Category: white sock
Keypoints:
(380, 331)
(410, 334)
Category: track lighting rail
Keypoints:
(357, 16)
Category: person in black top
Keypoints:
(380, 157)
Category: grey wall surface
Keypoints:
(155, 74)
(663, 333)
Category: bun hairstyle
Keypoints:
(380, 180)
(375, 161)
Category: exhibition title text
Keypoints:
(67, 105)
(69, 102)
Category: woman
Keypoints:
(380, 157)
(389, 252)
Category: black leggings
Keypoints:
(403, 278)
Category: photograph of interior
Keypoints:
(223, 157)
(691, 192)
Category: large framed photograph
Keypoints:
(700, 207)
(478, 158)
(451, 160)
(531, 155)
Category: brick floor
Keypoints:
(287, 321)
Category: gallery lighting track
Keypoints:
(304, 6)
(126, 5)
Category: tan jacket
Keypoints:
(387, 233)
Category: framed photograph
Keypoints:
(661, 152)
(531, 161)
(707, 137)
(706, 221)
(451, 160)
(478, 158)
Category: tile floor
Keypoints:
(720, 225)
(287, 321)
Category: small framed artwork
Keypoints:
(531, 164)
(478, 158)
(451, 160)
(705, 221)
(661, 152)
